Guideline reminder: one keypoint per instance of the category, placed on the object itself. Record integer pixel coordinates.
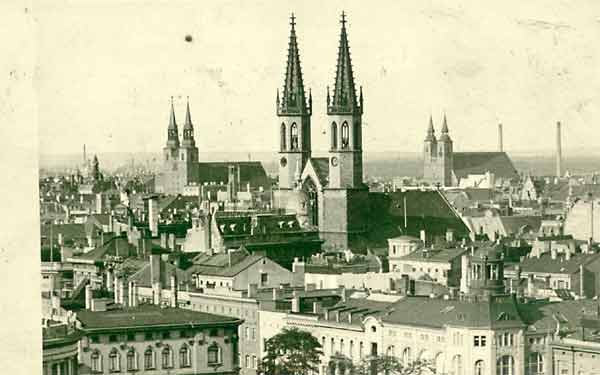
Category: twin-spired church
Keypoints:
(327, 192)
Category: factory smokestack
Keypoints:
(500, 140)
(558, 150)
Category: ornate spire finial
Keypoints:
(293, 100)
(188, 116)
(345, 100)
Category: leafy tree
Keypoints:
(390, 365)
(291, 352)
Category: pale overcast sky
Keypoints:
(106, 71)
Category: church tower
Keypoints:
(445, 155)
(294, 114)
(437, 156)
(345, 199)
(179, 159)
(344, 112)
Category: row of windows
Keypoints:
(251, 362)
(237, 312)
(149, 336)
(149, 358)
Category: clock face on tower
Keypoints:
(283, 161)
(334, 161)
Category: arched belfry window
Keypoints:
(283, 136)
(334, 135)
(345, 135)
(294, 136)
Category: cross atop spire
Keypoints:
(293, 100)
(344, 92)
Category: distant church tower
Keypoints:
(179, 159)
(346, 196)
(437, 156)
(294, 116)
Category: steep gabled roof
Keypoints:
(498, 163)
(250, 171)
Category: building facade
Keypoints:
(153, 340)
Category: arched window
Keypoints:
(214, 354)
(360, 350)
(334, 135)
(406, 356)
(131, 360)
(341, 346)
(479, 368)
(439, 363)
(456, 366)
(345, 135)
(166, 357)
(247, 361)
(149, 359)
(96, 358)
(332, 347)
(114, 361)
(294, 136)
(505, 365)
(535, 364)
(283, 137)
(391, 351)
(184, 356)
(351, 349)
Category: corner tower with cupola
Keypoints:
(345, 196)
(293, 112)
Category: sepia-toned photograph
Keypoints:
(304, 188)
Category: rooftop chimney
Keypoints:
(174, 291)
(88, 297)
(558, 150)
(500, 140)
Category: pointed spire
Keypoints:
(344, 92)
(188, 117)
(293, 100)
(172, 122)
(172, 133)
(188, 128)
(430, 130)
(445, 136)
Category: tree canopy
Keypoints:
(291, 352)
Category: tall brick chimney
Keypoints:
(558, 150)
(500, 139)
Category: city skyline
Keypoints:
(526, 70)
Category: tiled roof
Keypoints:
(545, 316)
(438, 256)
(545, 263)
(499, 163)
(422, 311)
(426, 210)
(218, 264)
(147, 316)
(68, 231)
(143, 276)
(116, 246)
(250, 171)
